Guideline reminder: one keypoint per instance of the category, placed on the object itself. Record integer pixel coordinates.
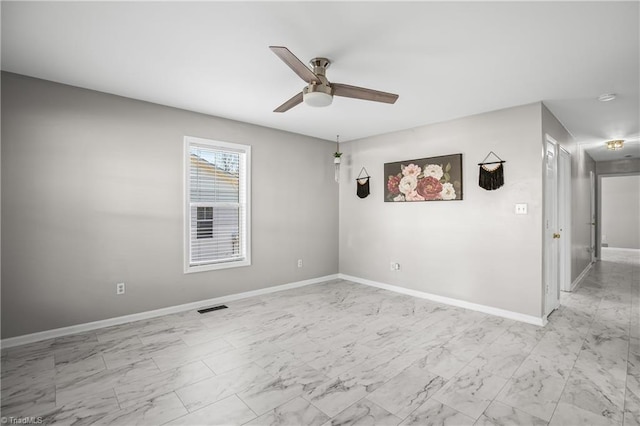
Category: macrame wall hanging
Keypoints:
(362, 183)
(491, 176)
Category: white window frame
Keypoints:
(246, 226)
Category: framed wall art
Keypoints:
(425, 179)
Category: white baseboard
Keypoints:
(79, 328)
(578, 280)
(540, 321)
(622, 249)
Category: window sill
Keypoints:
(216, 266)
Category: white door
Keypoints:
(564, 218)
(551, 235)
(592, 216)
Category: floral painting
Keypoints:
(426, 179)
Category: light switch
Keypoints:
(521, 209)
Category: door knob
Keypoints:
(556, 235)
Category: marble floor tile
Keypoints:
(470, 391)
(130, 329)
(213, 389)
(542, 366)
(434, 413)
(173, 333)
(97, 349)
(570, 415)
(595, 390)
(341, 360)
(195, 335)
(270, 392)
(155, 411)
(39, 349)
(31, 364)
(444, 361)
(500, 361)
(364, 413)
(89, 410)
(632, 403)
(407, 391)
(377, 370)
(69, 372)
(499, 414)
(24, 378)
(276, 362)
(533, 392)
(229, 411)
(103, 380)
(167, 381)
(230, 359)
(172, 357)
(298, 411)
(335, 395)
(144, 351)
(26, 401)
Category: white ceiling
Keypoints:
(445, 60)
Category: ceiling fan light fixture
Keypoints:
(317, 95)
(317, 99)
(615, 145)
(606, 97)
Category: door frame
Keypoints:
(593, 215)
(550, 247)
(598, 208)
(564, 218)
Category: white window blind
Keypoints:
(217, 190)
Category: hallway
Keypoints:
(599, 327)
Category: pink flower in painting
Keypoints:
(392, 184)
(414, 196)
(411, 170)
(430, 188)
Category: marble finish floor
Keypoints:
(340, 353)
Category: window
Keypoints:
(216, 205)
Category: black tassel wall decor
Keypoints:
(491, 178)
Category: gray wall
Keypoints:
(620, 211)
(477, 249)
(92, 193)
(611, 168)
(581, 165)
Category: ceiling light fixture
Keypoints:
(606, 97)
(317, 95)
(615, 145)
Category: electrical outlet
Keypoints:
(521, 209)
(299, 263)
(120, 288)
(395, 266)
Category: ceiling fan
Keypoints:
(319, 91)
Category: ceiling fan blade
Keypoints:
(347, 91)
(295, 64)
(295, 100)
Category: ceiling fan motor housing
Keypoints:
(320, 66)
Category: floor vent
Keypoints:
(214, 308)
